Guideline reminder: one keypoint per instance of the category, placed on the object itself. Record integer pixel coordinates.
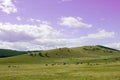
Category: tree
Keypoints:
(40, 54)
(46, 54)
(31, 54)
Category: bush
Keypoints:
(40, 54)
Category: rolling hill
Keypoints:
(85, 51)
(8, 53)
(70, 55)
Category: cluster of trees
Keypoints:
(108, 51)
(92, 49)
(8, 53)
(96, 49)
(39, 54)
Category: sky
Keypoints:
(48, 24)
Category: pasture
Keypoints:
(84, 71)
(84, 63)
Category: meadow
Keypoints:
(92, 71)
(63, 64)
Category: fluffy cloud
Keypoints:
(18, 45)
(75, 22)
(28, 37)
(42, 36)
(13, 32)
(7, 6)
(94, 37)
(38, 21)
(40, 44)
(100, 35)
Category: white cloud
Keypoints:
(114, 45)
(38, 21)
(7, 6)
(18, 32)
(94, 37)
(40, 44)
(31, 19)
(32, 37)
(43, 36)
(19, 46)
(25, 37)
(18, 18)
(101, 35)
(74, 22)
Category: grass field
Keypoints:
(93, 71)
(86, 63)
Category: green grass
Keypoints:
(85, 51)
(102, 71)
(34, 68)
(81, 63)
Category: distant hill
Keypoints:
(8, 53)
(70, 55)
(85, 51)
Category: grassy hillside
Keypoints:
(100, 71)
(68, 55)
(81, 63)
(8, 53)
(85, 51)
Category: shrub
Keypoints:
(40, 54)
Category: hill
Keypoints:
(8, 53)
(85, 51)
(80, 63)
(69, 55)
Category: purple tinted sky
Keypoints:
(101, 14)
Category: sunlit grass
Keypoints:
(84, 71)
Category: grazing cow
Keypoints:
(9, 66)
(88, 63)
(64, 63)
(81, 63)
(46, 64)
(77, 63)
(14, 66)
(52, 64)
(31, 54)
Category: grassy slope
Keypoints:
(102, 71)
(86, 51)
(68, 55)
(97, 64)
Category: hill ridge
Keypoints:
(83, 51)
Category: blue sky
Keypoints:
(48, 24)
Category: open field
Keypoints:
(93, 71)
(25, 67)
(82, 63)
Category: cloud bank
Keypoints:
(42, 36)
(7, 6)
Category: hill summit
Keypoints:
(84, 51)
